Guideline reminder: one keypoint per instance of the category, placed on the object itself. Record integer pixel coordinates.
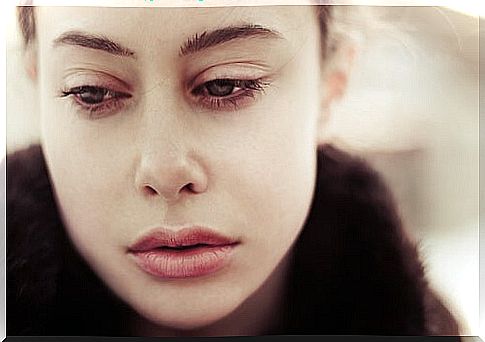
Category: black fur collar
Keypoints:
(354, 271)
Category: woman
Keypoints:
(182, 188)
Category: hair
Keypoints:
(26, 21)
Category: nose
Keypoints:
(170, 162)
(170, 174)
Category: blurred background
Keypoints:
(411, 109)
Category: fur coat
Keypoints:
(354, 271)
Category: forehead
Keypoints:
(135, 27)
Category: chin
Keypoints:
(187, 324)
(189, 319)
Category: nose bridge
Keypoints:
(162, 120)
(167, 164)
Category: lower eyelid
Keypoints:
(241, 98)
(230, 103)
(101, 110)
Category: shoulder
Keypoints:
(34, 240)
(29, 194)
(32, 218)
(44, 270)
(26, 173)
(440, 321)
(355, 266)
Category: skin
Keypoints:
(165, 157)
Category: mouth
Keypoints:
(190, 252)
(187, 238)
(183, 248)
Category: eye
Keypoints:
(91, 95)
(220, 88)
(96, 101)
(228, 94)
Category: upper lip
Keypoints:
(164, 237)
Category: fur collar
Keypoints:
(354, 271)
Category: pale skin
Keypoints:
(160, 153)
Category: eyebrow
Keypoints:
(92, 41)
(208, 39)
(194, 44)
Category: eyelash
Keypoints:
(240, 89)
(96, 110)
(245, 89)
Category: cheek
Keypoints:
(274, 186)
(270, 170)
(90, 183)
(275, 156)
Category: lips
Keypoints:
(187, 237)
(190, 252)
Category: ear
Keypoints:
(335, 78)
(30, 62)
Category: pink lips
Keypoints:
(190, 252)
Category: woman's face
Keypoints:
(190, 117)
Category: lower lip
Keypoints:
(166, 263)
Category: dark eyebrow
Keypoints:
(92, 41)
(209, 39)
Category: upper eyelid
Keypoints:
(113, 98)
(116, 90)
(76, 89)
(99, 78)
(227, 103)
(112, 87)
(231, 100)
(261, 83)
(231, 70)
(213, 80)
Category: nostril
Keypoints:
(170, 191)
(189, 187)
(149, 190)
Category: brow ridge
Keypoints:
(208, 39)
(93, 41)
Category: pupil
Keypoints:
(220, 88)
(92, 95)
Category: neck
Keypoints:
(255, 316)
